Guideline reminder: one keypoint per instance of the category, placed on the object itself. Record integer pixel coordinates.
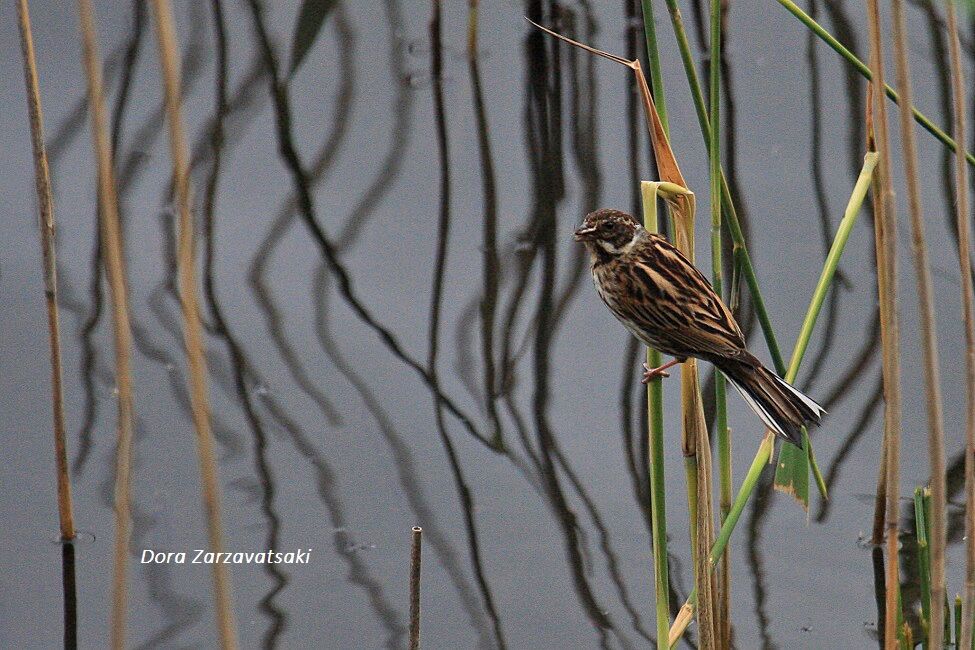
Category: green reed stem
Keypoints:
(765, 449)
(655, 412)
(832, 261)
(923, 561)
(722, 434)
(656, 70)
(790, 458)
(727, 203)
(864, 70)
(742, 257)
(734, 226)
(957, 638)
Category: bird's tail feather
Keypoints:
(782, 407)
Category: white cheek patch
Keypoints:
(626, 249)
(608, 247)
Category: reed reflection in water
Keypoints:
(400, 331)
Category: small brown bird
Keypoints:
(655, 291)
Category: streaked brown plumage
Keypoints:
(663, 300)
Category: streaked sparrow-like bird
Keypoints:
(664, 301)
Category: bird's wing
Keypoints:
(683, 307)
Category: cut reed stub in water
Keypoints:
(415, 557)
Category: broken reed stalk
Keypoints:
(472, 6)
(968, 312)
(923, 557)
(929, 337)
(655, 433)
(111, 236)
(885, 233)
(415, 560)
(45, 207)
(722, 432)
(192, 330)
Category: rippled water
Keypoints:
(451, 215)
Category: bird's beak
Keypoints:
(585, 233)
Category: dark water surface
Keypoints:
(450, 208)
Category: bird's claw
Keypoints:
(649, 374)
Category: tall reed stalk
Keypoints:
(885, 234)
(655, 433)
(656, 70)
(722, 433)
(122, 335)
(655, 391)
(192, 330)
(45, 207)
(695, 444)
(968, 313)
(929, 337)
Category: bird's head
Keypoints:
(608, 231)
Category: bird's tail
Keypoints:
(781, 406)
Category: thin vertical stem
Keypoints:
(885, 233)
(122, 333)
(968, 311)
(929, 339)
(45, 206)
(192, 329)
(415, 560)
(722, 433)
(655, 390)
(923, 560)
(748, 270)
(658, 485)
(656, 70)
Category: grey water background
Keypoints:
(453, 220)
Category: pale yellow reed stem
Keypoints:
(115, 271)
(192, 329)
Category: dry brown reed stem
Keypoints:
(192, 330)
(45, 206)
(415, 558)
(877, 200)
(968, 312)
(695, 444)
(115, 271)
(885, 233)
(929, 336)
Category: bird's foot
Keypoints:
(649, 374)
